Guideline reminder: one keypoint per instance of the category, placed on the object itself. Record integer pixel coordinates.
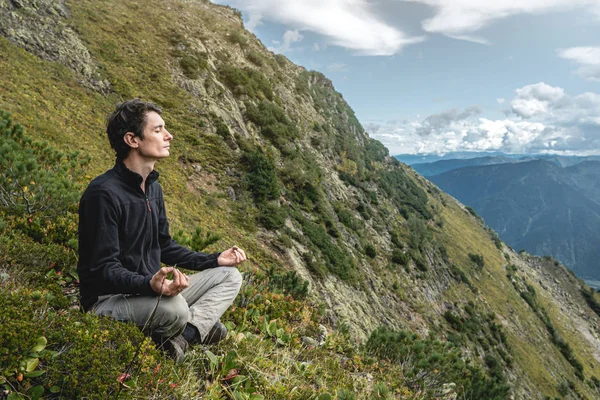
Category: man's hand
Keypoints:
(231, 257)
(161, 285)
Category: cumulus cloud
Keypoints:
(588, 59)
(352, 24)
(543, 119)
(461, 18)
(285, 45)
(254, 20)
(536, 99)
(438, 122)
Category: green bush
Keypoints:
(237, 37)
(246, 81)
(428, 363)
(370, 251)
(198, 240)
(337, 259)
(477, 259)
(287, 283)
(37, 182)
(261, 178)
(255, 58)
(302, 178)
(272, 217)
(84, 355)
(404, 192)
(588, 295)
(347, 218)
(472, 211)
(460, 276)
(399, 257)
(221, 128)
(273, 123)
(420, 235)
(192, 63)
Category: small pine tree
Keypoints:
(34, 177)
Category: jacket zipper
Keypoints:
(148, 204)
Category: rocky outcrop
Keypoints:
(41, 27)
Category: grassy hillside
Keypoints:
(363, 279)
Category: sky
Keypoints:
(442, 76)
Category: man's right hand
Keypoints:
(161, 285)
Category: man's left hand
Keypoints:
(231, 257)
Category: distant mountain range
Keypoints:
(547, 206)
(422, 163)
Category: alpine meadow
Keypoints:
(364, 280)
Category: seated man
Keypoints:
(124, 237)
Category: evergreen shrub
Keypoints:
(246, 81)
(261, 177)
(429, 363)
(38, 184)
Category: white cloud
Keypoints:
(500, 100)
(460, 18)
(290, 37)
(545, 120)
(254, 20)
(536, 99)
(588, 59)
(352, 24)
(285, 45)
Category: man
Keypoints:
(124, 237)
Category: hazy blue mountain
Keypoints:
(411, 159)
(439, 167)
(537, 206)
(429, 165)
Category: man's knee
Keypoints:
(235, 277)
(171, 316)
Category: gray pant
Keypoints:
(201, 304)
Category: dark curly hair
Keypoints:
(129, 116)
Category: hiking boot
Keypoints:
(217, 333)
(175, 348)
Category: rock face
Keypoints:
(273, 157)
(41, 27)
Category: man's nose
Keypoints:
(169, 136)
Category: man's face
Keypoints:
(157, 140)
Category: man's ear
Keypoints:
(131, 140)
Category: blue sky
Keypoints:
(437, 76)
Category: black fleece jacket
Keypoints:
(124, 237)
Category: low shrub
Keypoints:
(246, 81)
(477, 259)
(271, 216)
(428, 363)
(260, 178)
(370, 251)
(81, 355)
(192, 63)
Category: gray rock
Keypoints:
(231, 193)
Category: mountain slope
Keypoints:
(270, 157)
(537, 206)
